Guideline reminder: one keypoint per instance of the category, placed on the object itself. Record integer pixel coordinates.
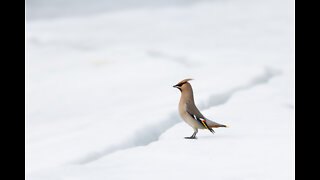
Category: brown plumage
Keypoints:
(190, 113)
(183, 81)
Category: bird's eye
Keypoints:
(181, 84)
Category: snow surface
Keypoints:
(100, 102)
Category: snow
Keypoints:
(100, 102)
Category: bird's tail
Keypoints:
(213, 124)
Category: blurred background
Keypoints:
(44, 9)
(100, 74)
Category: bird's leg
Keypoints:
(193, 136)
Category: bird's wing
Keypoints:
(191, 108)
(193, 111)
(196, 114)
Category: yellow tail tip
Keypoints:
(227, 126)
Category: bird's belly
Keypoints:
(192, 122)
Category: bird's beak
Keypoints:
(178, 87)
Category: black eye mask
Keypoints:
(181, 84)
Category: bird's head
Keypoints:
(182, 84)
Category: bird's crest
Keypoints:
(184, 81)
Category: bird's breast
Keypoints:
(187, 118)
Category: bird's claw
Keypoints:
(190, 137)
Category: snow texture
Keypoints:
(100, 101)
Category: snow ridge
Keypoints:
(142, 137)
(222, 98)
(151, 133)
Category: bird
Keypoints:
(189, 112)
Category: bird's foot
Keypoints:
(191, 137)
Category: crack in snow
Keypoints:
(142, 137)
(222, 98)
(151, 133)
